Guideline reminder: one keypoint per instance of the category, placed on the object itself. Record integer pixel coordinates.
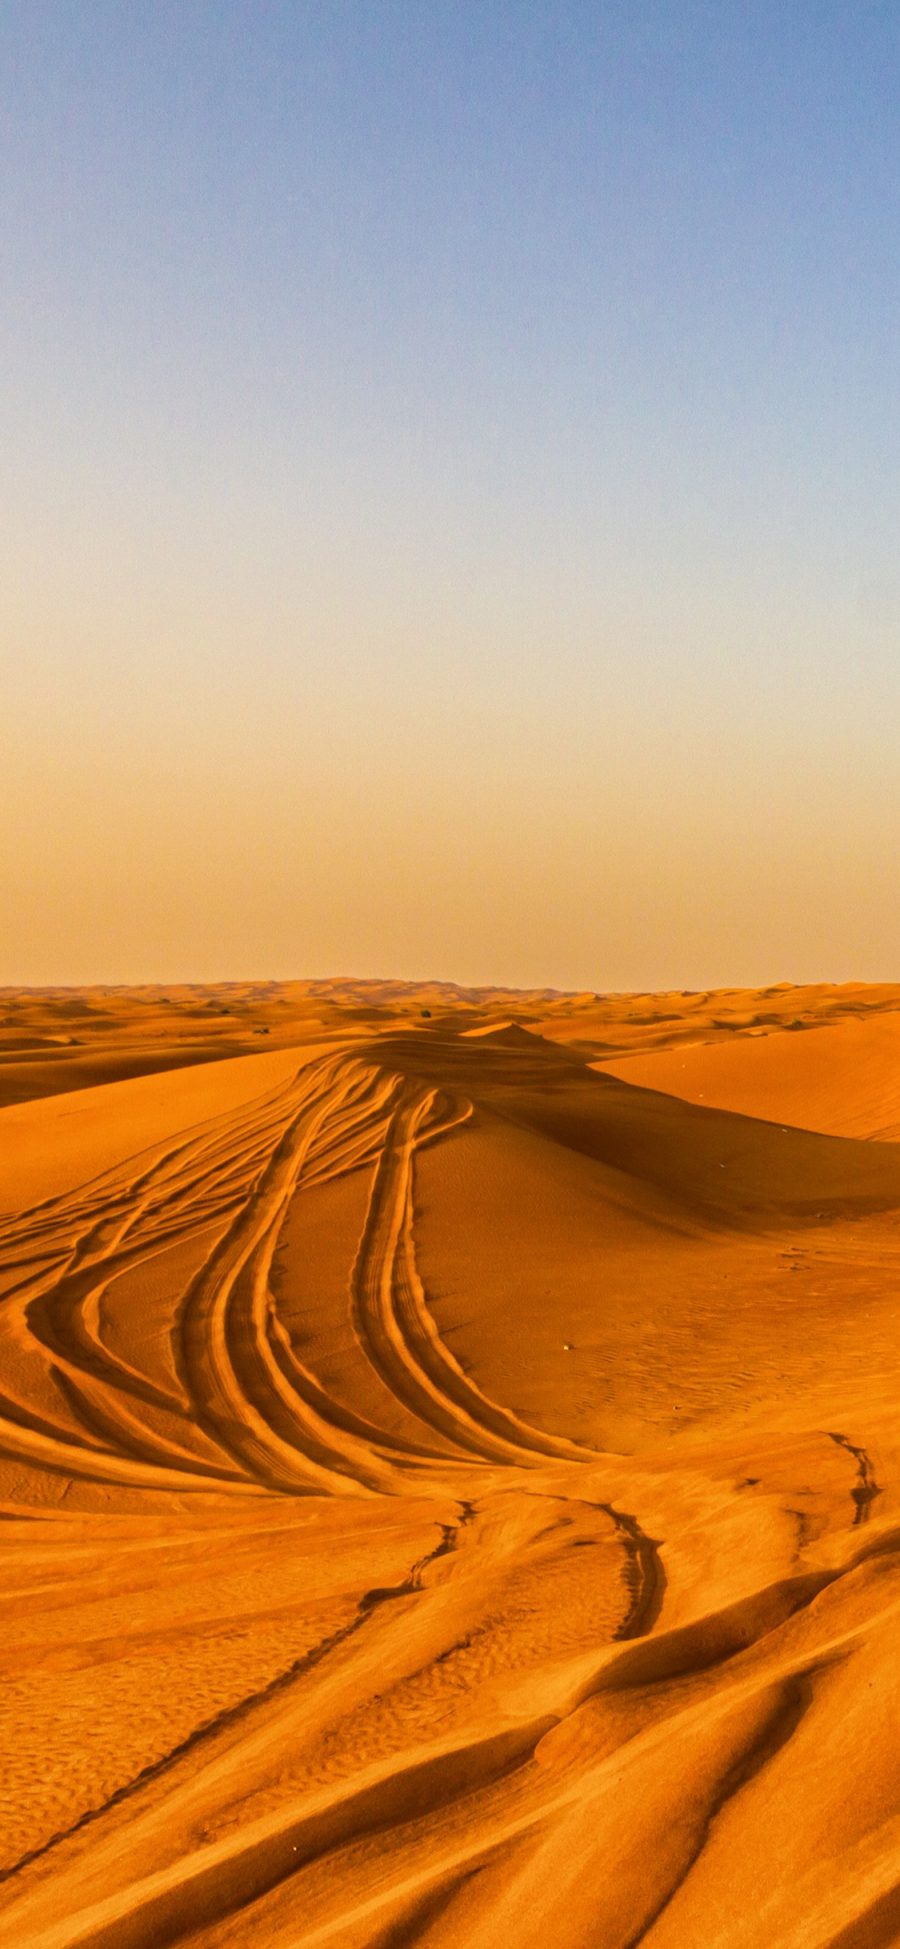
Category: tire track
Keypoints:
(391, 1318)
(262, 1414)
(865, 1488)
(645, 1576)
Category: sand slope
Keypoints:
(450, 1497)
(844, 1078)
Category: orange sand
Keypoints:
(449, 1468)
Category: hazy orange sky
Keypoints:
(450, 492)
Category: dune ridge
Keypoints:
(54, 1040)
(450, 1491)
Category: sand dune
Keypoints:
(60, 1039)
(451, 1490)
(842, 1078)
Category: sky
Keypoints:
(450, 491)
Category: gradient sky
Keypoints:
(450, 490)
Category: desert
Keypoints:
(449, 975)
(449, 1467)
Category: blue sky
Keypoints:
(451, 487)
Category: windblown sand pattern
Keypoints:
(450, 1488)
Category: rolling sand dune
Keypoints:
(450, 1469)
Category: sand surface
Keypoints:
(449, 1455)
